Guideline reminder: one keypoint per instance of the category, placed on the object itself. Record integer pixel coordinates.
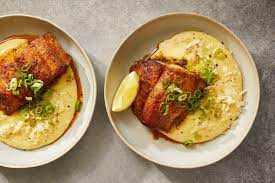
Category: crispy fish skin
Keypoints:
(146, 105)
(48, 62)
(149, 73)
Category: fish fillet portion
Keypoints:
(48, 61)
(152, 93)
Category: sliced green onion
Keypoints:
(171, 88)
(38, 110)
(48, 93)
(207, 74)
(19, 83)
(13, 84)
(219, 54)
(208, 63)
(36, 86)
(30, 76)
(28, 98)
(165, 83)
(26, 67)
(197, 94)
(26, 115)
(77, 105)
(49, 108)
(31, 104)
(15, 92)
(170, 97)
(8, 88)
(28, 82)
(162, 106)
(166, 110)
(25, 112)
(188, 143)
(21, 75)
(182, 97)
(178, 90)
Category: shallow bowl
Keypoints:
(23, 24)
(139, 138)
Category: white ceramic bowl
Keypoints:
(22, 24)
(138, 137)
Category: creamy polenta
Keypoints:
(223, 100)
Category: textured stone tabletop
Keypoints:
(100, 156)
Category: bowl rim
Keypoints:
(141, 26)
(91, 106)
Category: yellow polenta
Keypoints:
(23, 133)
(224, 100)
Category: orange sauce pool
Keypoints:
(30, 38)
(157, 135)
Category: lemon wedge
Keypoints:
(126, 93)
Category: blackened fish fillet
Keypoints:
(152, 93)
(48, 62)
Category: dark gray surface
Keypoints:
(101, 156)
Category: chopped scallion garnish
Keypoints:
(36, 86)
(165, 83)
(13, 84)
(182, 97)
(77, 105)
(26, 67)
(188, 143)
(49, 108)
(38, 110)
(28, 98)
(21, 74)
(15, 92)
(166, 110)
(219, 54)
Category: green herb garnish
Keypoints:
(36, 86)
(26, 80)
(182, 97)
(166, 110)
(193, 101)
(165, 83)
(26, 67)
(15, 92)
(188, 143)
(49, 108)
(28, 98)
(38, 110)
(21, 75)
(206, 69)
(77, 105)
(207, 74)
(175, 94)
(219, 54)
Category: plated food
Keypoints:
(197, 85)
(190, 88)
(48, 111)
(40, 92)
